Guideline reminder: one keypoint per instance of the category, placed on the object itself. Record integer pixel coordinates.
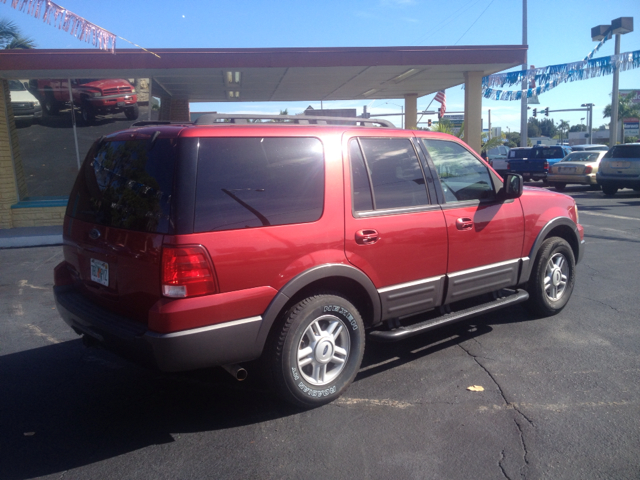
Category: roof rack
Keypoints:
(243, 118)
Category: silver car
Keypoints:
(577, 167)
(620, 168)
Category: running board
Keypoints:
(401, 333)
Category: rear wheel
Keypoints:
(87, 113)
(132, 112)
(317, 351)
(594, 187)
(609, 190)
(558, 186)
(552, 277)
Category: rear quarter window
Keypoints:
(256, 182)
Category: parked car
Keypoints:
(516, 153)
(589, 146)
(26, 107)
(497, 158)
(620, 168)
(577, 167)
(541, 157)
(213, 244)
(93, 96)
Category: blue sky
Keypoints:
(558, 32)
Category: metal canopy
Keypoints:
(282, 74)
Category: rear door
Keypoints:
(394, 232)
(116, 219)
(485, 234)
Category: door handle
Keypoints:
(464, 223)
(367, 237)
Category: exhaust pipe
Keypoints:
(236, 371)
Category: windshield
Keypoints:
(16, 86)
(581, 157)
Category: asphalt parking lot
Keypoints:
(561, 395)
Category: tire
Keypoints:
(316, 352)
(132, 113)
(558, 186)
(51, 106)
(609, 190)
(595, 187)
(553, 278)
(87, 113)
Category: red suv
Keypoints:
(213, 244)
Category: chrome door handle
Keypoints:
(367, 237)
(464, 224)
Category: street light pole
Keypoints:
(613, 132)
(589, 119)
(523, 101)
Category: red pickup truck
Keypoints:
(93, 96)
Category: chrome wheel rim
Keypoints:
(555, 277)
(323, 350)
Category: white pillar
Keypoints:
(473, 110)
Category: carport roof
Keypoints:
(274, 74)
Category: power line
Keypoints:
(476, 21)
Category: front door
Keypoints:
(485, 234)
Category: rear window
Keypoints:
(585, 156)
(255, 182)
(126, 184)
(624, 151)
(551, 152)
(519, 153)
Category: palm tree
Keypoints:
(10, 36)
(563, 126)
(626, 107)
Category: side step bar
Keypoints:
(401, 333)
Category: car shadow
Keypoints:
(64, 406)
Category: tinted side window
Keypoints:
(126, 185)
(396, 175)
(254, 182)
(462, 176)
(360, 187)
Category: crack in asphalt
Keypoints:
(510, 405)
(502, 456)
(598, 301)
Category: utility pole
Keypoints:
(525, 86)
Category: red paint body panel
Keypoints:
(134, 266)
(540, 206)
(170, 315)
(496, 235)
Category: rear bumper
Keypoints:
(630, 181)
(589, 179)
(220, 344)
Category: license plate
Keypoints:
(568, 170)
(120, 104)
(620, 164)
(100, 272)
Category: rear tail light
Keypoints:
(588, 169)
(508, 166)
(545, 165)
(187, 272)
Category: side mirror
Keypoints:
(513, 184)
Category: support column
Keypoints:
(180, 109)
(473, 110)
(165, 109)
(411, 111)
(13, 185)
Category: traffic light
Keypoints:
(535, 112)
(429, 122)
(546, 111)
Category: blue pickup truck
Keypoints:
(537, 164)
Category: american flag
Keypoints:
(442, 98)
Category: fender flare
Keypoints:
(527, 263)
(306, 278)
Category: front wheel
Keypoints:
(132, 112)
(317, 351)
(552, 278)
(87, 113)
